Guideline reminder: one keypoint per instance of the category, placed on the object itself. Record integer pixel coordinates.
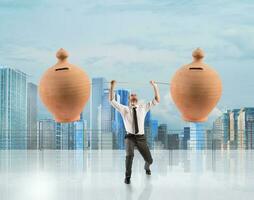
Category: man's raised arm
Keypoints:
(156, 99)
(119, 107)
(156, 91)
(111, 90)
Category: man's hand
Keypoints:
(153, 83)
(113, 83)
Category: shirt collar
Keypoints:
(136, 106)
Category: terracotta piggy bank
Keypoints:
(64, 89)
(196, 89)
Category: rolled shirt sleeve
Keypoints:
(151, 104)
(119, 107)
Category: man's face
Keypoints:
(133, 99)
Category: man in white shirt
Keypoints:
(134, 119)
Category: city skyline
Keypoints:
(126, 49)
(26, 123)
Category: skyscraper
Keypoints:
(70, 135)
(98, 87)
(186, 137)
(148, 133)
(106, 108)
(106, 122)
(31, 116)
(63, 132)
(79, 138)
(233, 127)
(87, 119)
(13, 110)
(121, 96)
(162, 134)
(173, 141)
(47, 136)
(209, 140)
(197, 136)
(246, 128)
(116, 117)
(43, 112)
(154, 128)
(221, 129)
(153, 131)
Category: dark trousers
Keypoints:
(140, 142)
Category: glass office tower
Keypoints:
(147, 127)
(106, 122)
(197, 133)
(162, 134)
(13, 109)
(154, 128)
(221, 128)
(98, 86)
(79, 135)
(32, 116)
(47, 136)
(246, 128)
(233, 128)
(121, 96)
(186, 137)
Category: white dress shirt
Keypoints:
(127, 115)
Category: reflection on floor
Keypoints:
(71, 175)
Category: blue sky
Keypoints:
(135, 41)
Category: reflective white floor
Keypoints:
(47, 175)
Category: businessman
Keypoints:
(134, 119)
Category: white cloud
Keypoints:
(113, 54)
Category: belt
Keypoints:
(129, 135)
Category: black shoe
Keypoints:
(148, 172)
(127, 180)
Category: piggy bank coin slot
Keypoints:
(62, 68)
(195, 68)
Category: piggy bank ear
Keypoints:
(64, 89)
(195, 89)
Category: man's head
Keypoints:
(133, 98)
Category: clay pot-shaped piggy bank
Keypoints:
(64, 89)
(196, 88)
